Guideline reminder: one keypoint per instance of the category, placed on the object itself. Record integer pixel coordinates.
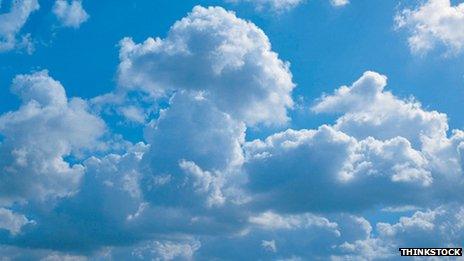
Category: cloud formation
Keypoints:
(70, 14)
(38, 136)
(12, 22)
(432, 23)
(11, 221)
(196, 187)
(212, 51)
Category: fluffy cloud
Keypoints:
(212, 51)
(369, 110)
(196, 188)
(185, 156)
(110, 192)
(39, 135)
(381, 151)
(70, 14)
(439, 227)
(296, 170)
(179, 134)
(434, 22)
(272, 236)
(12, 22)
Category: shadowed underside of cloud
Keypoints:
(195, 187)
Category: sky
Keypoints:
(230, 129)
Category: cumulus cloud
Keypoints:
(39, 135)
(70, 14)
(325, 160)
(439, 227)
(295, 235)
(227, 59)
(196, 188)
(110, 192)
(434, 22)
(379, 145)
(12, 22)
(178, 134)
(369, 110)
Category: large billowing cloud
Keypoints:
(212, 51)
(381, 151)
(12, 22)
(195, 187)
(434, 22)
(297, 170)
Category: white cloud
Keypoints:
(63, 257)
(269, 245)
(295, 170)
(439, 227)
(70, 14)
(204, 182)
(12, 222)
(338, 3)
(12, 22)
(273, 5)
(212, 51)
(191, 153)
(273, 221)
(195, 188)
(434, 22)
(36, 138)
(133, 113)
(369, 110)
(379, 143)
(167, 250)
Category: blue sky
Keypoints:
(325, 46)
(255, 123)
